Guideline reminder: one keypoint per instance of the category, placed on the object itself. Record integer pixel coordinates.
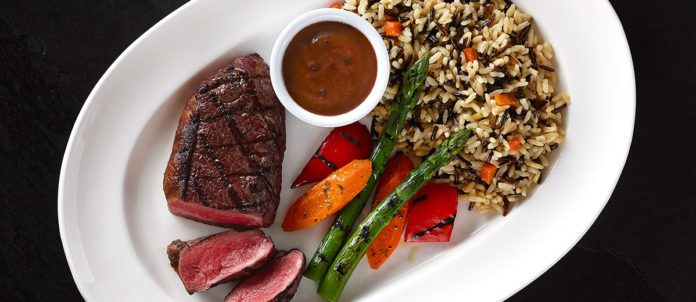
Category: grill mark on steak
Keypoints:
(220, 167)
(197, 187)
(227, 115)
(190, 138)
(225, 78)
(229, 174)
(241, 111)
(251, 142)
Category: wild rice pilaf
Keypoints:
(512, 59)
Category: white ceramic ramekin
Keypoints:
(336, 15)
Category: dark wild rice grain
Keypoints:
(521, 38)
(560, 108)
(547, 68)
(506, 206)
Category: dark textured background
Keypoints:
(642, 247)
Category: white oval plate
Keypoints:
(113, 216)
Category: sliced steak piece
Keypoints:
(208, 261)
(225, 165)
(277, 281)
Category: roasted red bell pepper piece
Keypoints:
(432, 213)
(387, 241)
(341, 146)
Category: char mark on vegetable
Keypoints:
(364, 233)
(441, 224)
(326, 161)
(419, 199)
(341, 268)
(337, 225)
(392, 201)
(350, 139)
(321, 257)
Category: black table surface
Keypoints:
(641, 248)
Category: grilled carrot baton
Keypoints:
(328, 196)
(397, 169)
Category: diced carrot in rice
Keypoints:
(507, 99)
(487, 172)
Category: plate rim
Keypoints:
(624, 150)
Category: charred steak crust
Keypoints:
(173, 252)
(226, 160)
(178, 249)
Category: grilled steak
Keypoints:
(225, 165)
(277, 281)
(205, 262)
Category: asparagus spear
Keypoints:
(348, 258)
(334, 238)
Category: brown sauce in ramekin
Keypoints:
(329, 68)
